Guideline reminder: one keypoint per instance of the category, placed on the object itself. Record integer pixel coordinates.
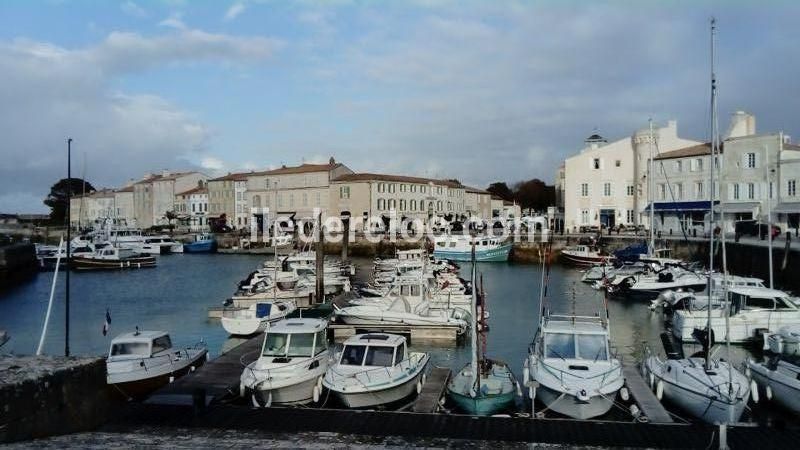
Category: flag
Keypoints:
(107, 323)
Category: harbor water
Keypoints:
(176, 295)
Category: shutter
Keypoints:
(730, 191)
(758, 155)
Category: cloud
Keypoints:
(50, 93)
(212, 163)
(132, 9)
(234, 11)
(175, 20)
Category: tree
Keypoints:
(501, 189)
(534, 194)
(57, 199)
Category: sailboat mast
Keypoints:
(714, 152)
(650, 188)
(769, 216)
(474, 328)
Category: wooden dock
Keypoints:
(434, 334)
(214, 380)
(433, 389)
(644, 397)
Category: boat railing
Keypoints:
(149, 363)
(563, 375)
(379, 374)
(262, 375)
(569, 318)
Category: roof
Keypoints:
(126, 189)
(791, 147)
(396, 178)
(475, 190)
(240, 176)
(381, 339)
(143, 336)
(302, 168)
(753, 291)
(160, 177)
(695, 150)
(298, 326)
(195, 190)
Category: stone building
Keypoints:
(154, 195)
(227, 196)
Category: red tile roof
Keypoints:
(240, 176)
(159, 177)
(396, 178)
(196, 190)
(302, 168)
(695, 150)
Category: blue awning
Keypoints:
(701, 205)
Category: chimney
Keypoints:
(331, 161)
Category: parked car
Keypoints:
(754, 228)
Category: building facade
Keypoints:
(191, 208)
(477, 203)
(227, 198)
(154, 195)
(605, 185)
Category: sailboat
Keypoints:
(494, 388)
(708, 389)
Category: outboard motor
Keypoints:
(673, 349)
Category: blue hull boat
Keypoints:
(496, 390)
(201, 244)
(499, 253)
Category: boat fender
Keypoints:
(191, 368)
(754, 391)
(424, 378)
(315, 394)
(526, 374)
(532, 392)
(624, 394)
(519, 389)
(635, 411)
(319, 383)
(659, 389)
(269, 400)
(747, 372)
(419, 387)
(241, 389)
(769, 392)
(254, 400)
(652, 380)
(171, 378)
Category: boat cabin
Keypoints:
(373, 350)
(114, 253)
(295, 338)
(139, 344)
(759, 299)
(576, 340)
(464, 243)
(411, 255)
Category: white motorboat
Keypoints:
(375, 369)
(142, 361)
(649, 286)
(400, 312)
(293, 361)
(570, 366)
(158, 245)
(597, 272)
(583, 255)
(255, 318)
(779, 375)
(753, 310)
(110, 257)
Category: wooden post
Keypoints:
(346, 237)
(786, 250)
(320, 255)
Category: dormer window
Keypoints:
(596, 163)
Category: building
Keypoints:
(92, 208)
(191, 208)
(559, 187)
(294, 191)
(605, 185)
(372, 195)
(477, 202)
(227, 196)
(154, 195)
(123, 202)
(505, 209)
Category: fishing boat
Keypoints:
(291, 365)
(255, 318)
(585, 255)
(109, 257)
(375, 369)
(142, 361)
(202, 243)
(459, 248)
(779, 374)
(484, 386)
(709, 389)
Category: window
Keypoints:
(629, 190)
(770, 189)
(353, 355)
(607, 189)
(629, 216)
(751, 190)
(301, 345)
(679, 166)
(698, 190)
(736, 191)
(381, 187)
(318, 197)
(344, 192)
(596, 163)
(584, 189)
(592, 347)
(679, 191)
(617, 163)
(402, 204)
(379, 356)
(401, 353)
(161, 344)
(585, 216)
(266, 184)
(662, 191)
(381, 204)
(321, 343)
(413, 188)
(439, 205)
(559, 345)
(275, 344)
(130, 348)
(698, 164)
(791, 188)
(413, 205)
(422, 189)
(750, 160)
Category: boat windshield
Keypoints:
(559, 345)
(275, 344)
(353, 355)
(130, 348)
(592, 347)
(301, 344)
(294, 345)
(379, 356)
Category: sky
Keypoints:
(479, 91)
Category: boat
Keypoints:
(779, 374)
(709, 389)
(459, 248)
(142, 361)
(753, 310)
(375, 369)
(292, 363)
(399, 312)
(255, 318)
(110, 257)
(202, 243)
(647, 286)
(49, 256)
(484, 386)
(4, 337)
(159, 245)
(583, 255)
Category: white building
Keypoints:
(154, 195)
(477, 202)
(191, 207)
(106, 204)
(606, 183)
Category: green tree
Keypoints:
(59, 192)
(501, 189)
(534, 194)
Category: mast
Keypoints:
(650, 188)
(714, 152)
(769, 216)
(474, 329)
(69, 260)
